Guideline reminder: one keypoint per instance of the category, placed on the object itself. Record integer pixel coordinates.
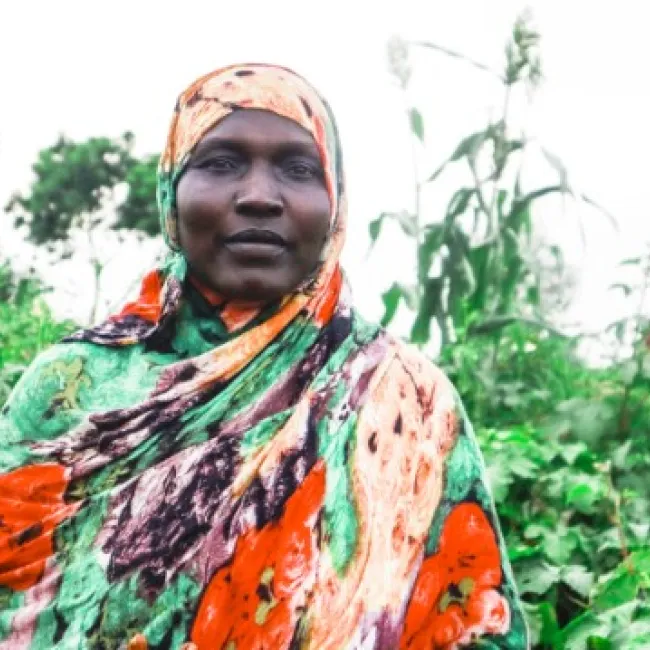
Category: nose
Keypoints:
(259, 195)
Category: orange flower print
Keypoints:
(31, 505)
(148, 304)
(455, 598)
(255, 601)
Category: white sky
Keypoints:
(88, 69)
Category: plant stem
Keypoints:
(617, 517)
(417, 200)
(97, 271)
(499, 172)
(457, 55)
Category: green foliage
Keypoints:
(568, 462)
(74, 185)
(76, 190)
(566, 445)
(26, 326)
(139, 210)
(481, 276)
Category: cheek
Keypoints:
(313, 217)
(200, 207)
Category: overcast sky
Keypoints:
(88, 69)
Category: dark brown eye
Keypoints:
(219, 164)
(302, 170)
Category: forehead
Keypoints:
(255, 126)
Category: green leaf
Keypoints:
(629, 370)
(609, 540)
(618, 328)
(620, 589)
(523, 467)
(468, 275)
(524, 200)
(469, 146)
(625, 288)
(559, 544)
(645, 365)
(549, 626)
(612, 219)
(533, 296)
(374, 228)
(633, 635)
(583, 496)
(592, 420)
(492, 325)
(417, 123)
(620, 618)
(406, 221)
(620, 454)
(392, 297)
(521, 552)
(391, 300)
(578, 578)
(534, 531)
(536, 576)
(139, 211)
(481, 260)
(437, 172)
(430, 305)
(599, 643)
(499, 479)
(459, 202)
(631, 261)
(570, 452)
(434, 235)
(640, 560)
(641, 531)
(559, 167)
(534, 621)
(577, 633)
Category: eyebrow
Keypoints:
(292, 146)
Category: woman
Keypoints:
(237, 460)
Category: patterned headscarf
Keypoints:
(255, 86)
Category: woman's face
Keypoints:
(253, 208)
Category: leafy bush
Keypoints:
(568, 460)
(26, 326)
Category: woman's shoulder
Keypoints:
(415, 399)
(416, 363)
(67, 381)
(403, 358)
(48, 367)
(407, 368)
(50, 384)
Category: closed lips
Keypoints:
(256, 236)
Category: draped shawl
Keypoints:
(194, 473)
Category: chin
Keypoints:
(255, 290)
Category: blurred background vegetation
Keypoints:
(566, 443)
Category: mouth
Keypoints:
(256, 244)
(257, 236)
